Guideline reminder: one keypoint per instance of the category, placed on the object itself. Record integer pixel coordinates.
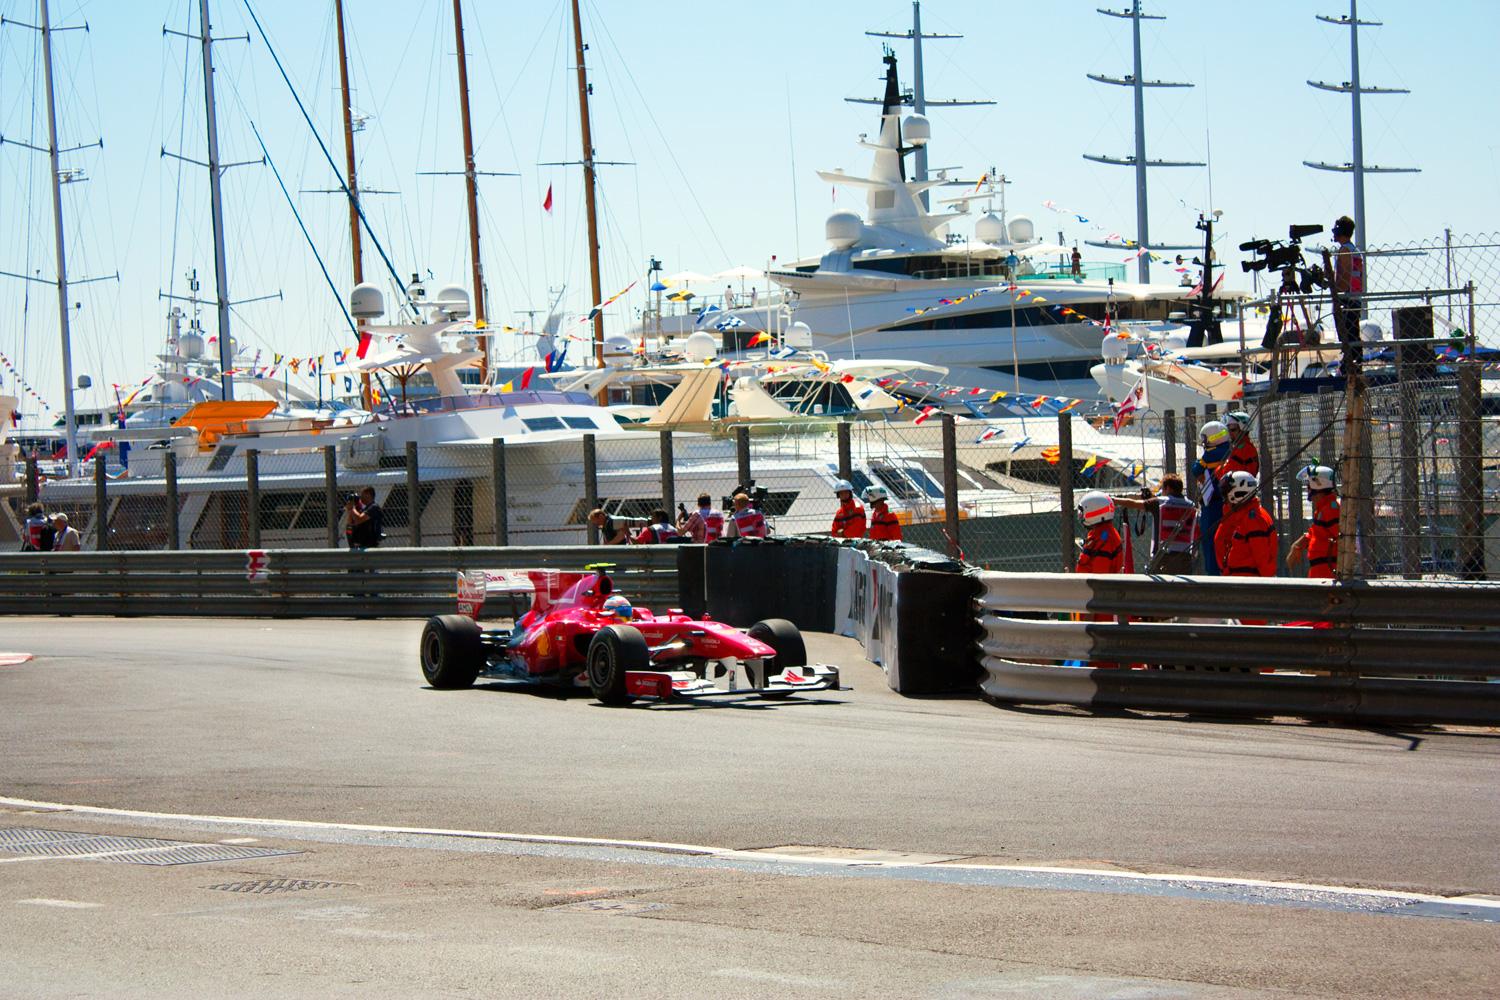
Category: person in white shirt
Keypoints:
(65, 538)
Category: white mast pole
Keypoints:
(216, 203)
(70, 418)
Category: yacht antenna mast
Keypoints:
(355, 249)
(1357, 165)
(588, 187)
(471, 190)
(918, 96)
(1138, 83)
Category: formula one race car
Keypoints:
(581, 632)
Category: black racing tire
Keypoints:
(615, 650)
(452, 651)
(784, 637)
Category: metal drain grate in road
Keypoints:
(66, 844)
(274, 885)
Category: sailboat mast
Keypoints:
(216, 205)
(588, 186)
(70, 416)
(355, 249)
(471, 189)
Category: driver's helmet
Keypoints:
(618, 605)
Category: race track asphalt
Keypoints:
(330, 721)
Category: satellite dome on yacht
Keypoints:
(1114, 348)
(700, 346)
(190, 344)
(990, 229)
(798, 335)
(916, 130)
(452, 302)
(843, 229)
(1022, 230)
(618, 350)
(366, 302)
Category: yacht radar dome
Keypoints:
(843, 229)
(798, 335)
(989, 229)
(366, 302)
(700, 346)
(190, 345)
(916, 130)
(1115, 348)
(452, 301)
(617, 350)
(1022, 230)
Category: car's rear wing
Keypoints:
(546, 586)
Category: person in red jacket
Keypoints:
(1103, 551)
(884, 525)
(849, 519)
(1246, 538)
(658, 532)
(1243, 456)
(1320, 544)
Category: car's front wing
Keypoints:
(670, 684)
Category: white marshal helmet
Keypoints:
(1213, 434)
(843, 485)
(1240, 486)
(1238, 419)
(1095, 508)
(1317, 477)
(873, 494)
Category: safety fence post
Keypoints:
(1470, 475)
(591, 483)
(1327, 444)
(742, 453)
(846, 464)
(33, 480)
(499, 489)
(1190, 452)
(1296, 519)
(252, 498)
(174, 526)
(413, 496)
(101, 506)
(1169, 440)
(1065, 490)
(668, 480)
(331, 492)
(1408, 515)
(950, 482)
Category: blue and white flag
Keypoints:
(729, 323)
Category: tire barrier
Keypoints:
(1354, 653)
(298, 583)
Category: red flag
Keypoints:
(364, 344)
(526, 377)
(547, 201)
(927, 411)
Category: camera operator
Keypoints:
(365, 521)
(1347, 272)
(745, 519)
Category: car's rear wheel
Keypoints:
(452, 651)
(615, 650)
(786, 639)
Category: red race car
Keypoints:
(581, 632)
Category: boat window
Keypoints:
(542, 423)
(925, 481)
(580, 423)
(314, 512)
(895, 481)
(278, 509)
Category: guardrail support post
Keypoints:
(950, 482)
(591, 483)
(1190, 452)
(668, 478)
(1065, 490)
(498, 487)
(1408, 514)
(1470, 474)
(33, 480)
(252, 499)
(331, 491)
(846, 463)
(101, 506)
(1169, 440)
(174, 526)
(413, 496)
(742, 453)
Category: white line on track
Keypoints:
(63, 904)
(731, 854)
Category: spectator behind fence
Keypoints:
(744, 521)
(37, 532)
(704, 524)
(365, 524)
(658, 531)
(611, 532)
(1347, 271)
(65, 538)
(1172, 549)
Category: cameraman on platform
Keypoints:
(365, 521)
(1347, 271)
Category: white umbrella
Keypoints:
(688, 277)
(742, 271)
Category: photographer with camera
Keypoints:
(745, 520)
(1346, 266)
(365, 520)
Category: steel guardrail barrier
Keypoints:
(1387, 651)
(304, 583)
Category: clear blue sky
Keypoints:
(725, 110)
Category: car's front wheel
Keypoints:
(615, 650)
(452, 651)
(784, 637)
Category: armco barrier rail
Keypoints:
(303, 583)
(1361, 661)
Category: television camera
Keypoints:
(1286, 257)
